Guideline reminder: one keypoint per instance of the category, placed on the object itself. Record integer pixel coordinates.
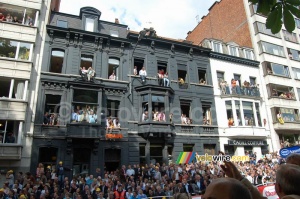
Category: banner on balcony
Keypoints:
(185, 157)
(114, 136)
(285, 152)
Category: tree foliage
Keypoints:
(279, 12)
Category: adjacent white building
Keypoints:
(22, 32)
(241, 112)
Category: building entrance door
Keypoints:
(81, 161)
(112, 159)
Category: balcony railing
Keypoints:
(242, 91)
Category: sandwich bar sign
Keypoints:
(247, 142)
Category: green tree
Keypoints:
(278, 12)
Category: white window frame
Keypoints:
(251, 53)
(236, 50)
(213, 46)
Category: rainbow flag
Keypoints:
(185, 157)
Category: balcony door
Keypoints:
(112, 159)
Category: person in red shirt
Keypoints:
(2, 17)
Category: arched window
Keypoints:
(86, 61)
(113, 66)
(57, 60)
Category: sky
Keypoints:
(170, 18)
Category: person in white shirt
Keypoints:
(166, 80)
(143, 74)
(130, 171)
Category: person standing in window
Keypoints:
(160, 76)
(15, 20)
(29, 21)
(8, 18)
(143, 74)
(90, 73)
(166, 80)
(112, 76)
(135, 72)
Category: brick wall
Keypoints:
(225, 21)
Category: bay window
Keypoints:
(238, 113)
(261, 28)
(85, 105)
(280, 91)
(153, 108)
(248, 113)
(287, 114)
(292, 37)
(293, 54)
(296, 73)
(15, 50)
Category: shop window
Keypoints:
(139, 63)
(207, 116)
(275, 69)
(238, 113)
(86, 61)
(229, 150)
(156, 153)
(113, 68)
(269, 48)
(52, 104)
(85, 104)
(248, 113)
(296, 73)
(202, 76)
(62, 24)
(89, 24)
(12, 89)
(57, 60)
(9, 131)
(209, 149)
(188, 147)
(113, 108)
(15, 50)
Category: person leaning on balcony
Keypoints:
(181, 80)
(46, 120)
(29, 21)
(166, 80)
(2, 17)
(143, 74)
(90, 73)
(15, 20)
(160, 76)
(233, 86)
(10, 138)
(112, 76)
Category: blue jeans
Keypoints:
(166, 82)
(143, 78)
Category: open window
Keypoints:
(113, 68)
(139, 63)
(113, 108)
(206, 114)
(86, 61)
(185, 107)
(9, 131)
(158, 108)
(52, 104)
(162, 66)
(57, 60)
(202, 76)
(85, 105)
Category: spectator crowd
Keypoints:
(134, 181)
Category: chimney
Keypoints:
(117, 20)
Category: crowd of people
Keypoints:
(247, 88)
(146, 181)
(11, 19)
